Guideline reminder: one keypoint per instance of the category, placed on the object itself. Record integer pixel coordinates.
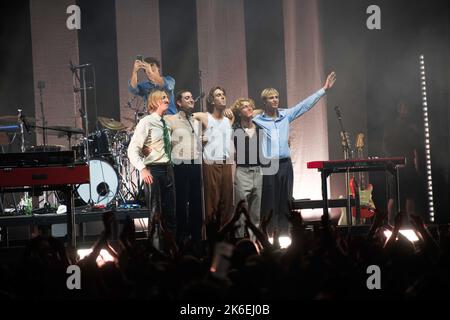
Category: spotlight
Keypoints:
(408, 233)
(102, 258)
(284, 241)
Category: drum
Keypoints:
(99, 146)
(104, 183)
(99, 143)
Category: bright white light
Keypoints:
(102, 258)
(422, 67)
(421, 57)
(423, 78)
(284, 241)
(408, 233)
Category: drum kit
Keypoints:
(112, 178)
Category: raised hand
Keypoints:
(138, 65)
(153, 75)
(331, 79)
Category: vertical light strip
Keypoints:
(423, 86)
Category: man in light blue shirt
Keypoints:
(152, 69)
(274, 122)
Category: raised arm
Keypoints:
(136, 67)
(305, 105)
(202, 117)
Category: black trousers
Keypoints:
(189, 201)
(160, 195)
(276, 194)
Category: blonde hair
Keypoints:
(153, 99)
(267, 92)
(237, 106)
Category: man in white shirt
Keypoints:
(217, 158)
(155, 167)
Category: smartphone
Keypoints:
(139, 57)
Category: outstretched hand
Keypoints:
(331, 79)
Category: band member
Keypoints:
(152, 70)
(155, 168)
(248, 177)
(186, 157)
(217, 160)
(274, 122)
(401, 138)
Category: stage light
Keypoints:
(284, 241)
(102, 258)
(427, 139)
(408, 233)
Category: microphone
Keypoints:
(81, 89)
(201, 96)
(338, 112)
(80, 66)
(22, 118)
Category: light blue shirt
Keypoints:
(144, 88)
(276, 130)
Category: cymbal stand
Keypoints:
(41, 86)
(84, 112)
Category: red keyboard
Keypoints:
(44, 176)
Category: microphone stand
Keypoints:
(22, 134)
(201, 155)
(41, 86)
(348, 154)
(83, 89)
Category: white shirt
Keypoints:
(149, 132)
(218, 133)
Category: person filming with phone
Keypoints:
(154, 80)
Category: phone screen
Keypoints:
(139, 57)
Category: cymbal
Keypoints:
(62, 131)
(111, 123)
(15, 119)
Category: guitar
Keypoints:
(360, 187)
